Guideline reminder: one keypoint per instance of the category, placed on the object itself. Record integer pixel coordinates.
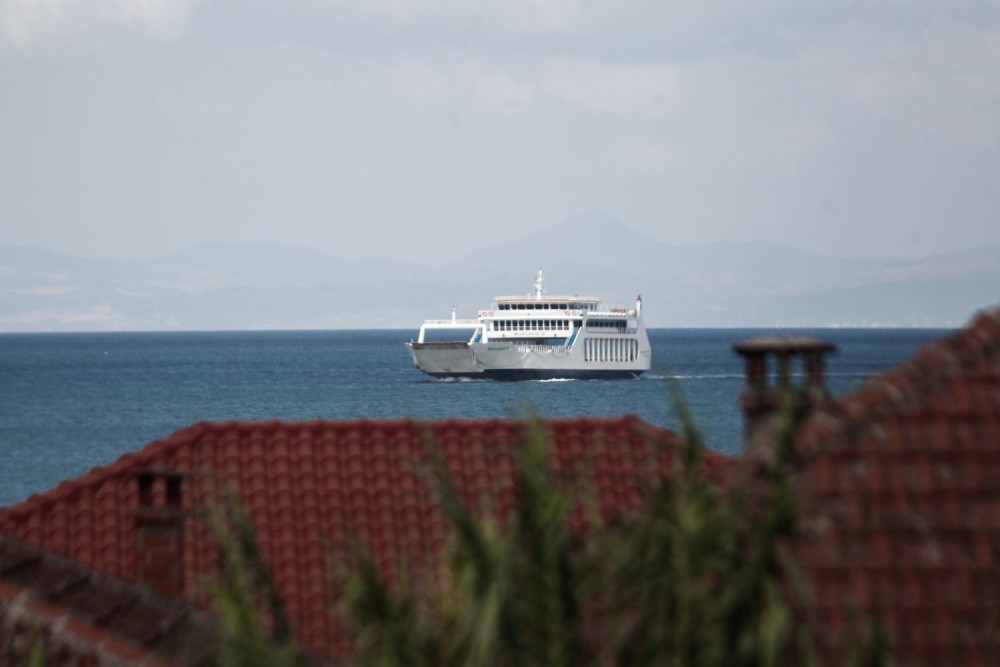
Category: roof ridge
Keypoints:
(934, 364)
(123, 464)
(133, 460)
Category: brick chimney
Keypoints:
(159, 531)
(766, 393)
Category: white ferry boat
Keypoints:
(538, 337)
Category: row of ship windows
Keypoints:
(610, 349)
(606, 324)
(557, 325)
(546, 306)
(531, 325)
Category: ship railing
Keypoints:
(451, 323)
(615, 312)
(437, 325)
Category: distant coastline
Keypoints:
(225, 287)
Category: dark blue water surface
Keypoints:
(69, 402)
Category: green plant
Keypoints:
(255, 629)
(503, 595)
(695, 578)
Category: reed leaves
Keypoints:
(695, 578)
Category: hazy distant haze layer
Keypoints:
(261, 286)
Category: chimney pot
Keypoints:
(159, 531)
(761, 401)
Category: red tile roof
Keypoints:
(305, 484)
(901, 482)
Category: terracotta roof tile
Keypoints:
(306, 484)
(902, 517)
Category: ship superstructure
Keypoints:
(538, 336)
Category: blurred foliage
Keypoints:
(255, 628)
(696, 578)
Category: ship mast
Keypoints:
(538, 285)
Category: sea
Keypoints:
(73, 401)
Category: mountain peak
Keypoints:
(590, 223)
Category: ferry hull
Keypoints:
(445, 359)
(518, 374)
(492, 362)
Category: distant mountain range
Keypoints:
(255, 286)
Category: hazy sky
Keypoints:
(427, 128)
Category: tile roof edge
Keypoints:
(272, 424)
(934, 363)
(135, 460)
(129, 461)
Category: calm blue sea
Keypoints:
(69, 402)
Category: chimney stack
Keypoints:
(159, 531)
(764, 395)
